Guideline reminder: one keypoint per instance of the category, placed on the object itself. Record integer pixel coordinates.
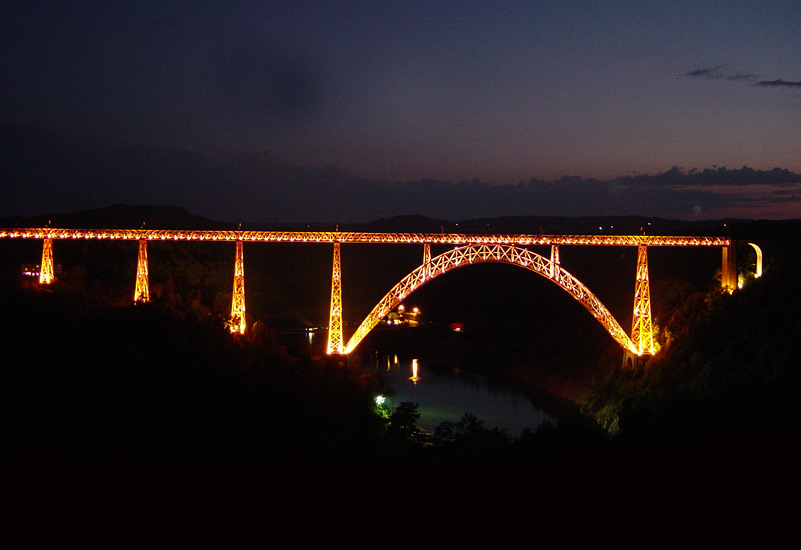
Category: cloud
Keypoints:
(710, 72)
(750, 77)
(779, 84)
(721, 72)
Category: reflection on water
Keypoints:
(446, 397)
(414, 378)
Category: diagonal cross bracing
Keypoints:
(641, 326)
(46, 271)
(335, 341)
(238, 321)
(142, 288)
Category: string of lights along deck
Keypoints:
(360, 237)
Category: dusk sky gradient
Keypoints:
(500, 91)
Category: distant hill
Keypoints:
(121, 216)
(43, 171)
(175, 217)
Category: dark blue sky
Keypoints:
(498, 91)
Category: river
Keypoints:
(446, 395)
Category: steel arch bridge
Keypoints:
(475, 248)
(495, 253)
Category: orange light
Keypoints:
(238, 321)
(414, 378)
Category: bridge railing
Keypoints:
(361, 237)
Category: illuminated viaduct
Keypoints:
(468, 249)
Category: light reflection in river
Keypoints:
(414, 378)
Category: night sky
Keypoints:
(500, 92)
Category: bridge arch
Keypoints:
(758, 265)
(499, 253)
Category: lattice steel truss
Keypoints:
(554, 258)
(335, 341)
(142, 289)
(46, 271)
(641, 327)
(473, 254)
(238, 322)
(354, 237)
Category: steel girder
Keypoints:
(356, 237)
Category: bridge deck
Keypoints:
(356, 237)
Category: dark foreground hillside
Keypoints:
(86, 380)
(728, 374)
(82, 379)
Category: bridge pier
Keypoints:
(142, 289)
(238, 322)
(728, 277)
(335, 314)
(46, 271)
(642, 328)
